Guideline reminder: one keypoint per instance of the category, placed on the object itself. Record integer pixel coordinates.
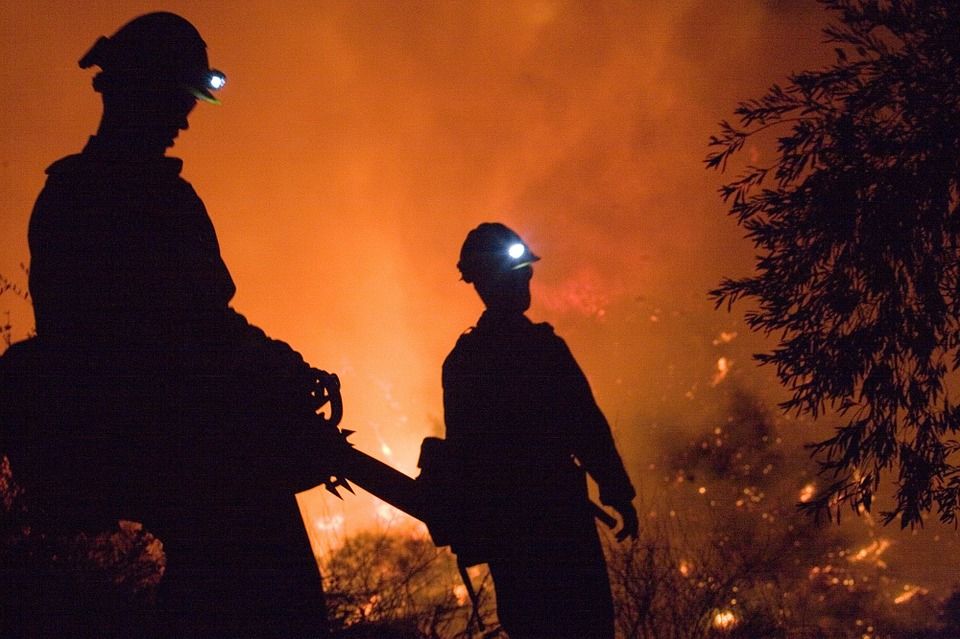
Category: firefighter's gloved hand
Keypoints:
(631, 525)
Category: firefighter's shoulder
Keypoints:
(468, 338)
(467, 343)
(548, 340)
(544, 330)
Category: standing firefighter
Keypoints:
(150, 398)
(523, 424)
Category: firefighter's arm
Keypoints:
(302, 389)
(592, 443)
(631, 524)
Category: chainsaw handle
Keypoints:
(605, 518)
(326, 393)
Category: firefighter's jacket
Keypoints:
(124, 256)
(520, 413)
(132, 306)
(152, 400)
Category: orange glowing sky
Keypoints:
(358, 142)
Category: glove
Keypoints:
(631, 525)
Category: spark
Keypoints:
(685, 568)
(909, 592)
(725, 338)
(873, 550)
(807, 492)
(386, 450)
(723, 369)
(460, 592)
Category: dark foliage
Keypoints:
(99, 584)
(856, 228)
(19, 291)
(400, 586)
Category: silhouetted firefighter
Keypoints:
(145, 396)
(522, 427)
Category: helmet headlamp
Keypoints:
(212, 80)
(216, 79)
(491, 250)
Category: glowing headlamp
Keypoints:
(520, 256)
(208, 81)
(216, 79)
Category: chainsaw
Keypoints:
(377, 478)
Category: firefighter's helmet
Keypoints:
(492, 249)
(157, 51)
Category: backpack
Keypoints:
(447, 513)
(449, 505)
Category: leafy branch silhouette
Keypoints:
(858, 270)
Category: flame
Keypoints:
(725, 620)
(368, 607)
